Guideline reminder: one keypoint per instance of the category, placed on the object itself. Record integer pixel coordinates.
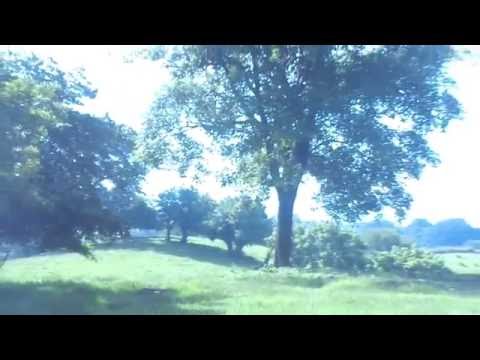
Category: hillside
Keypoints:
(147, 276)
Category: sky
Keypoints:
(125, 91)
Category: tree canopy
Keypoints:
(34, 98)
(239, 221)
(449, 232)
(78, 158)
(355, 117)
(140, 214)
(54, 161)
(185, 208)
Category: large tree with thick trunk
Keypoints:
(353, 117)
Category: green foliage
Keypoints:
(185, 208)
(418, 231)
(377, 224)
(329, 246)
(289, 110)
(66, 88)
(53, 160)
(29, 105)
(78, 158)
(382, 240)
(33, 96)
(252, 223)
(239, 222)
(280, 112)
(449, 232)
(411, 262)
(140, 215)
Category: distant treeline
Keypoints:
(450, 232)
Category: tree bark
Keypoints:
(169, 230)
(239, 250)
(229, 246)
(184, 235)
(284, 241)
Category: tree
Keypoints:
(252, 223)
(280, 112)
(185, 208)
(450, 232)
(417, 231)
(78, 159)
(34, 97)
(382, 239)
(140, 215)
(375, 225)
(221, 225)
(238, 222)
(329, 245)
(169, 211)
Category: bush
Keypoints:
(382, 240)
(411, 262)
(331, 247)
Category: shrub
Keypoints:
(382, 240)
(329, 246)
(410, 261)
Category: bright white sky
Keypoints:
(126, 90)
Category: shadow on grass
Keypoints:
(293, 278)
(464, 283)
(461, 284)
(72, 298)
(306, 282)
(199, 252)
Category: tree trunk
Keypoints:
(239, 250)
(229, 235)
(184, 238)
(229, 246)
(169, 230)
(284, 241)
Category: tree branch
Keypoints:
(273, 163)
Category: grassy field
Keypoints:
(151, 277)
(463, 263)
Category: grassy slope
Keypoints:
(463, 263)
(201, 279)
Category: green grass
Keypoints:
(463, 263)
(200, 278)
